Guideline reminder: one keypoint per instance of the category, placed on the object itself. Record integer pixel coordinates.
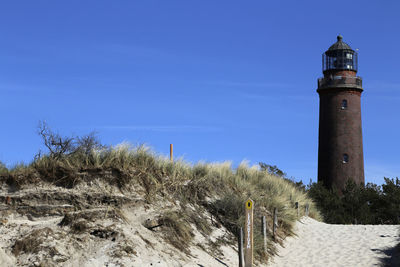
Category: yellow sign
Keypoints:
(249, 204)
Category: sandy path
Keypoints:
(320, 244)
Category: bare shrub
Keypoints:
(87, 143)
(57, 145)
(60, 146)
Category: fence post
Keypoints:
(275, 224)
(171, 152)
(297, 208)
(248, 236)
(264, 232)
(240, 247)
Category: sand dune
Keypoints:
(316, 244)
(321, 244)
(44, 229)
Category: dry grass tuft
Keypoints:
(177, 230)
(32, 242)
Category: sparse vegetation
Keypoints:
(272, 169)
(3, 168)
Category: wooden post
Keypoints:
(275, 224)
(171, 152)
(307, 209)
(240, 247)
(264, 232)
(248, 236)
(297, 208)
(8, 200)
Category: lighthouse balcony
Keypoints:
(340, 82)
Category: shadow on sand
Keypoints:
(392, 258)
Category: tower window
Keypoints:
(344, 104)
(345, 158)
(349, 56)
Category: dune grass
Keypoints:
(215, 187)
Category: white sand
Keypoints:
(321, 244)
(6, 260)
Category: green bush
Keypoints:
(369, 204)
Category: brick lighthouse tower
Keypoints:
(340, 148)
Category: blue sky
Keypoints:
(221, 80)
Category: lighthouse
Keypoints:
(340, 145)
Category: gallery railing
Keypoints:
(340, 81)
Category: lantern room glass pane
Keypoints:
(339, 60)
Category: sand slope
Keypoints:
(321, 244)
(103, 227)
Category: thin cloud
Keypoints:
(251, 84)
(274, 97)
(376, 172)
(258, 96)
(384, 86)
(159, 128)
(135, 50)
(257, 90)
(10, 89)
(15, 88)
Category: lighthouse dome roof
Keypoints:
(339, 45)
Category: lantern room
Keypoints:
(339, 56)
